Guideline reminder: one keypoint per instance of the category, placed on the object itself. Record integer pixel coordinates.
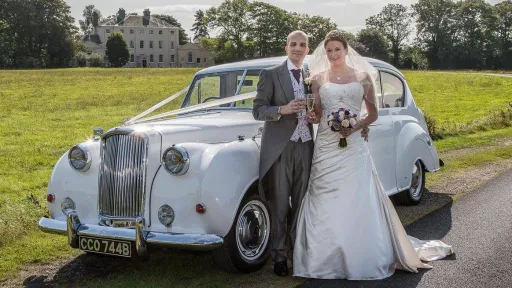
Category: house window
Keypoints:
(172, 58)
(141, 44)
(150, 31)
(132, 45)
(160, 32)
(172, 32)
(204, 60)
(132, 31)
(189, 57)
(151, 58)
(160, 44)
(141, 32)
(150, 44)
(132, 58)
(198, 60)
(108, 30)
(160, 58)
(172, 44)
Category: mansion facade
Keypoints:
(151, 43)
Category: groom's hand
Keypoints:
(294, 106)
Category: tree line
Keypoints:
(433, 34)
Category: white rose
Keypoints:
(308, 81)
(345, 123)
(352, 121)
(330, 118)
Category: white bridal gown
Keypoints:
(347, 227)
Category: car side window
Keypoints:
(393, 89)
(250, 85)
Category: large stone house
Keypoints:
(151, 42)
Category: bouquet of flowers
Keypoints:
(342, 118)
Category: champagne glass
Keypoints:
(310, 101)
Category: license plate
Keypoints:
(105, 246)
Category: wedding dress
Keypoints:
(347, 227)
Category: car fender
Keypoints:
(412, 144)
(218, 177)
(81, 187)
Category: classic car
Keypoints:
(188, 178)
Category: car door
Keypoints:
(381, 140)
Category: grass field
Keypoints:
(44, 112)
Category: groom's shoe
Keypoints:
(281, 269)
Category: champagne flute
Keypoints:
(310, 101)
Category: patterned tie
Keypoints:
(296, 74)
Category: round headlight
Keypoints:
(176, 160)
(166, 215)
(79, 158)
(67, 205)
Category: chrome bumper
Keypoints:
(73, 228)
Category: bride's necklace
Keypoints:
(337, 77)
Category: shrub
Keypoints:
(96, 60)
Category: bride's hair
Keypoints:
(336, 35)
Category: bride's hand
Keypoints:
(345, 132)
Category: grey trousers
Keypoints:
(288, 177)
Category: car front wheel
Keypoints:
(412, 196)
(247, 245)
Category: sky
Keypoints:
(350, 15)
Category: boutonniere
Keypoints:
(308, 82)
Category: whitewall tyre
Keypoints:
(413, 195)
(247, 245)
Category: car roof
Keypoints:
(256, 64)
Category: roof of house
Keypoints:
(136, 21)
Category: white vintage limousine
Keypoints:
(187, 178)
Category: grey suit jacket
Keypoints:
(274, 89)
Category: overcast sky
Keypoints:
(350, 15)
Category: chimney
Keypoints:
(145, 19)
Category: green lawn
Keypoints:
(44, 112)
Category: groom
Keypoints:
(286, 145)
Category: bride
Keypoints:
(347, 227)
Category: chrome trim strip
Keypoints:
(196, 242)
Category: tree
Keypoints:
(270, 27)
(503, 30)
(394, 22)
(375, 42)
(200, 29)
(168, 19)
(117, 50)
(86, 23)
(316, 27)
(231, 19)
(121, 15)
(38, 33)
(474, 25)
(435, 29)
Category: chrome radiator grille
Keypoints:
(122, 176)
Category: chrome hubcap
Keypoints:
(416, 181)
(252, 230)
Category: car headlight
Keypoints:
(176, 160)
(79, 158)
